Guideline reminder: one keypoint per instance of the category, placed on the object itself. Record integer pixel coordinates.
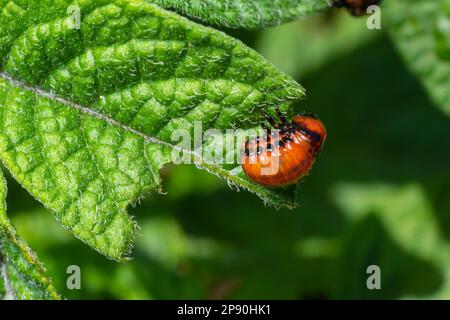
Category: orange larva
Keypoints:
(356, 7)
(285, 158)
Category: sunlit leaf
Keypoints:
(92, 91)
(248, 14)
(22, 276)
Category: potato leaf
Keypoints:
(247, 14)
(22, 276)
(91, 93)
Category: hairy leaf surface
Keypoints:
(21, 274)
(248, 14)
(87, 111)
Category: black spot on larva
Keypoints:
(259, 150)
(311, 134)
(286, 139)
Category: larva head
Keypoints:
(312, 127)
(356, 7)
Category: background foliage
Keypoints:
(377, 195)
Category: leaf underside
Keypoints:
(86, 114)
(421, 31)
(246, 14)
(22, 276)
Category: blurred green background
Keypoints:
(377, 195)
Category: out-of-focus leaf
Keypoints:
(303, 46)
(421, 31)
(406, 214)
(248, 14)
(165, 241)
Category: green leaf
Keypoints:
(87, 113)
(409, 219)
(421, 31)
(22, 276)
(302, 47)
(248, 14)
